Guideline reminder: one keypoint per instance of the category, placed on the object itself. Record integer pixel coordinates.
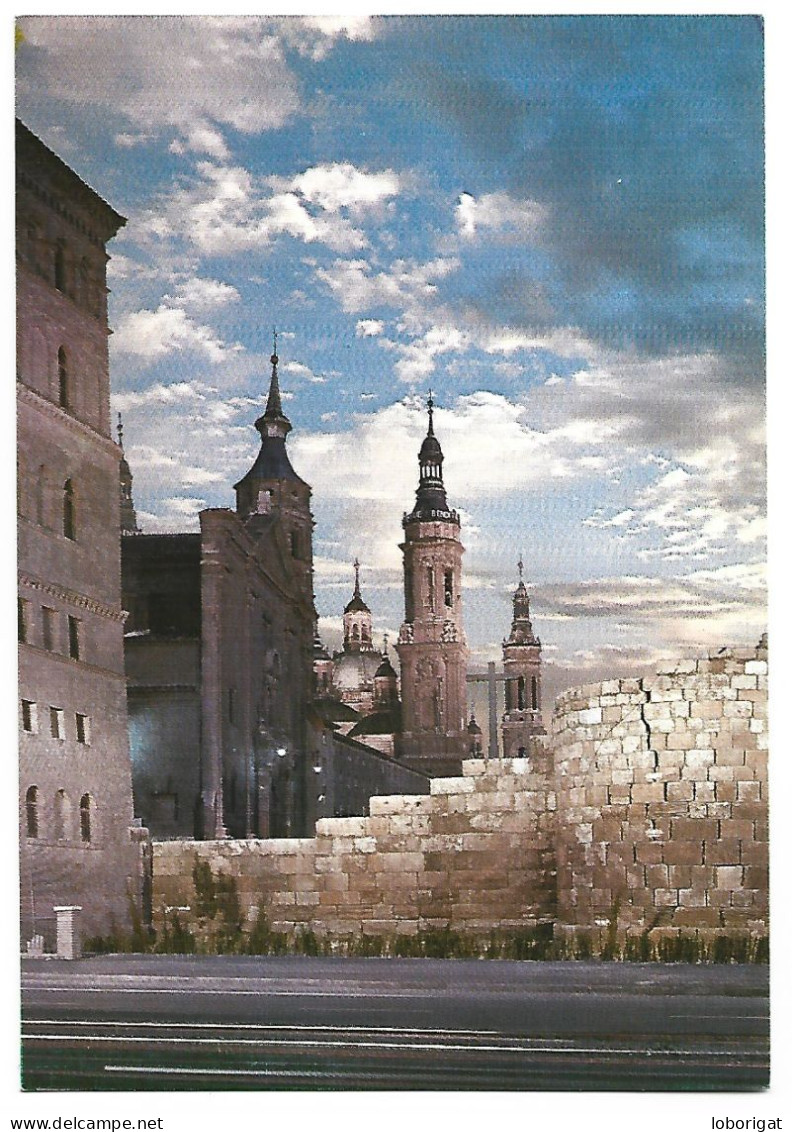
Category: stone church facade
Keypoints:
(80, 844)
(219, 648)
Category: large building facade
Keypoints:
(79, 842)
(432, 649)
(219, 652)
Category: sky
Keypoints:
(556, 224)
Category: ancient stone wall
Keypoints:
(474, 853)
(646, 812)
(662, 798)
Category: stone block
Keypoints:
(724, 851)
(474, 767)
(756, 667)
(728, 876)
(683, 852)
(694, 829)
(451, 786)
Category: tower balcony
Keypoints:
(430, 515)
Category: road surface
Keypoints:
(220, 1023)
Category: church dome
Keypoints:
(354, 671)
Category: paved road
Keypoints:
(170, 1023)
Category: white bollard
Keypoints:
(68, 939)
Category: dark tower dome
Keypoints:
(430, 498)
(272, 463)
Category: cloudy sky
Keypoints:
(556, 224)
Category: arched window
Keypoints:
(295, 544)
(63, 379)
(534, 693)
(521, 693)
(355, 632)
(60, 268)
(31, 811)
(69, 513)
(449, 588)
(86, 806)
(62, 816)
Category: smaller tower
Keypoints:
(474, 737)
(357, 620)
(386, 687)
(522, 670)
(272, 488)
(129, 524)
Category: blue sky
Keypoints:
(556, 223)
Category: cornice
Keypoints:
(73, 597)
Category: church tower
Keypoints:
(522, 670)
(129, 525)
(431, 647)
(273, 488)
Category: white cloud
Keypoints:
(369, 327)
(406, 286)
(315, 36)
(337, 186)
(155, 334)
(204, 294)
(231, 72)
(225, 210)
(499, 214)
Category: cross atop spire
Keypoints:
(430, 406)
(274, 406)
(120, 432)
(520, 567)
(356, 566)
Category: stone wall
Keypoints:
(474, 852)
(662, 798)
(647, 811)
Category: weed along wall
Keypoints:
(643, 817)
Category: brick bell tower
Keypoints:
(522, 670)
(432, 649)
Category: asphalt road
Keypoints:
(221, 1023)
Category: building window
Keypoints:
(449, 588)
(521, 693)
(57, 723)
(63, 379)
(49, 625)
(29, 717)
(534, 693)
(83, 725)
(69, 514)
(41, 496)
(74, 637)
(31, 811)
(23, 611)
(86, 805)
(62, 816)
(295, 544)
(60, 268)
(430, 587)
